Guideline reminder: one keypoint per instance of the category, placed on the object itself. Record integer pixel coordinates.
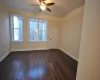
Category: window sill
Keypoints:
(17, 41)
(36, 41)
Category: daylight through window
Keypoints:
(16, 28)
(37, 30)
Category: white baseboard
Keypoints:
(69, 54)
(4, 56)
(30, 49)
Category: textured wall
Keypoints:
(71, 32)
(89, 56)
(4, 31)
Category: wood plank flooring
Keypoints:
(38, 65)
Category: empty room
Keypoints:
(49, 39)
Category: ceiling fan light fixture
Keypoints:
(42, 6)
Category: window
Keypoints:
(16, 28)
(37, 30)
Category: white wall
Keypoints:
(4, 31)
(71, 32)
(89, 56)
(54, 22)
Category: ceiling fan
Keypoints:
(43, 5)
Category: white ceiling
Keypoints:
(61, 7)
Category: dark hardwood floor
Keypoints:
(38, 65)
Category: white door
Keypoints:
(53, 38)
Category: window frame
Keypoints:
(12, 28)
(38, 30)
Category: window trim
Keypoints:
(38, 30)
(12, 28)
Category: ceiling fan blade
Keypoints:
(41, 1)
(44, 3)
(40, 10)
(48, 9)
(50, 4)
(34, 4)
